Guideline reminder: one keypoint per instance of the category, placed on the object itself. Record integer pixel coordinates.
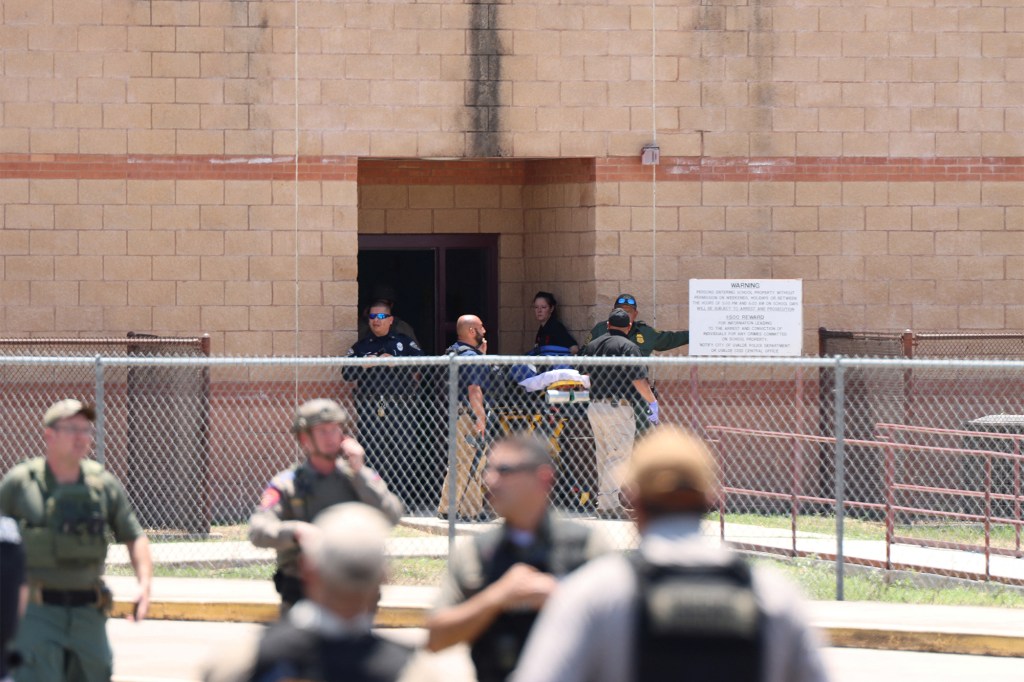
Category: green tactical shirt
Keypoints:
(648, 338)
(61, 553)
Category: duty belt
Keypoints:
(69, 597)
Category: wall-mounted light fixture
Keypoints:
(650, 155)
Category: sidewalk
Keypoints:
(871, 625)
(865, 625)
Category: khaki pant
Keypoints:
(469, 482)
(614, 428)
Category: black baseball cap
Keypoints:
(619, 318)
(625, 299)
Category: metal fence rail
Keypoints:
(816, 458)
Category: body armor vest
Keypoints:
(496, 652)
(290, 653)
(74, 528)
(701, 622)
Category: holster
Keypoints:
(289, 587)
(105, 600)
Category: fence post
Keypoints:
(840, 436)
(101, 454)
(453, 417)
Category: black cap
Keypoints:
(619, 318)
(625, 299)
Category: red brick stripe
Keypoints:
(512, 171)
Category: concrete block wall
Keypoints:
(874, 149)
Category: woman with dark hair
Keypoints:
(551, 332)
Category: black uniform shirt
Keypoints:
(376, 381)
(613, 381)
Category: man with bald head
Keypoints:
(471, 427)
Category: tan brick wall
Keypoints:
(202, 249)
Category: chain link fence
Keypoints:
(907, 469)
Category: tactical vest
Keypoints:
(290, 653)
(73, 532)
(703, 621)
(496, 652)
(302, 501)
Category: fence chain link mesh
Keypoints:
(932, 468)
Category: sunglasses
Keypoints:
(625, 300)
(75, 430)
(379, 316)
(506, 469)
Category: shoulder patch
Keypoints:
(399, 346)
(639, 339)
(271, 496)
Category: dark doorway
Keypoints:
(436, 278)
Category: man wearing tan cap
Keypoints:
(66, 506)
(682, 606)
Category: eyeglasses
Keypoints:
(506, 469)
(76, 430)
(379, 316)
(625, 300)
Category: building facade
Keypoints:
(467, 154)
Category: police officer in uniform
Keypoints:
(646, 337)
(498, 581)
(471, 427)
(682, 607)
(384, 402)
(386, 293)
(333, 472)
(614, 391)
(66, 505)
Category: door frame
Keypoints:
(439, 244)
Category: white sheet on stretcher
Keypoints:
(545, 379)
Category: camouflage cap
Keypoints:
(67, 408)
(319, 411)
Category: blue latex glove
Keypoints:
(652, 415)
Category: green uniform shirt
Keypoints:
(61, 553)
(648, 338)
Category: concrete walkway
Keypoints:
(946, 629)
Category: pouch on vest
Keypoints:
(76, 515)
(701, 622)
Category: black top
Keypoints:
(613, 381)
(374, 381)
(12, 575)
(554, 333)
(290, 653)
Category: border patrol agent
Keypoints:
(682, 606)
(646, 337)
(384, 403)
(614, 391)
(66, 507)
(497, 581)
(333, 472)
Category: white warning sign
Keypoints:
(750, 317)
